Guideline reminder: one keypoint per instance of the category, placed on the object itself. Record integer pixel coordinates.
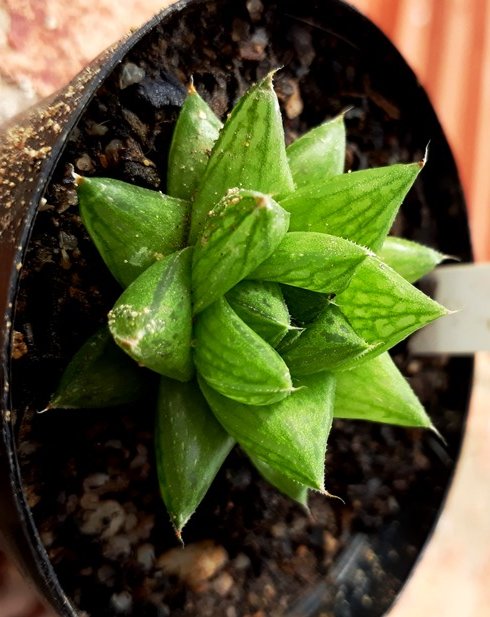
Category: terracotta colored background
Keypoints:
(43, 43)
(447, 43)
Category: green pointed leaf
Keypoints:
(377, 391)
(359, 206)
(326, 344)
(319, 154)
(195, 132)
(190, 446)
(304, 305)
(410, 259)
(131, 226)
(383, 307)
(235, 360)
(313, 261)
(239, 233)
(250, 153)
(291, 435)
(289, 339)
(99, 375)
(295, 491)
(152, 320)
(261, 306)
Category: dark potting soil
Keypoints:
(90, 475)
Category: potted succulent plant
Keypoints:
(89, 476)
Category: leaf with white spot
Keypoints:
(152, 320)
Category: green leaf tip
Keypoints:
(250, 153)
(195, 133)
(360, 206)
(289, 435)
(382, 306)
(319, 154)
(378, 392)
(132, 227)
(99, 375)
(190, 447)
(409, 259)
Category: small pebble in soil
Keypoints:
(85, 164)
(194, 564)
(113, 151)
(241, 562)
(145, 555)
(96, 480)
(95, 129)
(122, 602)
(117, 547)
(105, 521)
(223, 584)
(106, 575)
(89, 501)
(254, 48)
(255, 9)
(130, 74)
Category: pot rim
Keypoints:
(74, 99)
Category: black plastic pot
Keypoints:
(320, 41)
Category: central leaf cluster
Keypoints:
(260, 289)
